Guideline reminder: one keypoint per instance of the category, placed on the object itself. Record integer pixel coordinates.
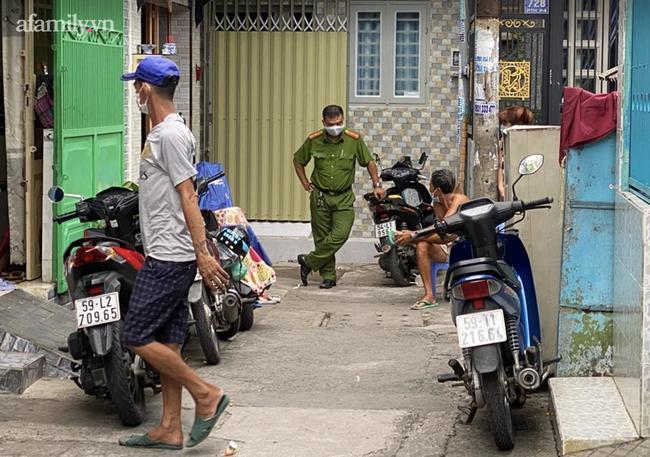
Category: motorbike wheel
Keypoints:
(126, 389)
(205, 331)
(232, 331)
(499, 411)
(247, 317)
(400, 273)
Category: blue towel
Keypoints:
(218, 194)
(6, 285)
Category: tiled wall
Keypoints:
(180, 29)
(132, 117)
(632, 307)
(392, 131)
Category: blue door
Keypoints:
(639, 99)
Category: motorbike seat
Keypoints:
(482, 265)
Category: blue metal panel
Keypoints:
(639, 94)
(588, 245)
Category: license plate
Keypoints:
(479, 329)
(382, 230)
(97, 310)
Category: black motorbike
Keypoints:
(100, 270)
(231, 310)
(407, 206)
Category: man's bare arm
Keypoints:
(209, 268)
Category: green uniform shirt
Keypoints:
(334, 163)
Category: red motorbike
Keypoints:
(100, 270)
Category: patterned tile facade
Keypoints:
(132, 117)
(627, 309)
(393, 131)
(632, 308)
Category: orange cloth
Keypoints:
(260, 275)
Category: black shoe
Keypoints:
(304, 269)
(328, 284)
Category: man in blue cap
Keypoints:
(174, 242)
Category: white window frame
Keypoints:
(388, 46)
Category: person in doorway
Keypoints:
(174, 242)
(512, 115)
(335, 150)
(516, 115)
(434, 248)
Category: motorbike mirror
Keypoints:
(55, 194)
(423, 158)
(531, 164)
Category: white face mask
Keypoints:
(144, 109)
(335, 130)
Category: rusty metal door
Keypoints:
(586, 286)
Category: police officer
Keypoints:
(335, 150)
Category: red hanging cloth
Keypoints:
(586, 117)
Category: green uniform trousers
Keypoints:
(331, 223)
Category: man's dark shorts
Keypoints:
(158, 306)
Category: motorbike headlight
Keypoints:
(411, 197)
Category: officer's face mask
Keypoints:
(334, 130)
(142, 106)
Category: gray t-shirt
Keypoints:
(166, 161)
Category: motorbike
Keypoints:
(100, 269)
(493, 305)
(406, 207)
(232, 310)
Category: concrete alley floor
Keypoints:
(347, 372)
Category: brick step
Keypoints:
(19, 370)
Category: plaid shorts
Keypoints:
(158, 306)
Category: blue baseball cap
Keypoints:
(154, 70)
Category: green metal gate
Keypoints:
(89, 104)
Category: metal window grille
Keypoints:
(407, 54)
(590, 41)
(368, 53)
(281, 15)
(524, 58)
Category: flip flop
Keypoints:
(203, 426)
(424, 304)
(143, 441)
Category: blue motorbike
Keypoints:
(494, 307)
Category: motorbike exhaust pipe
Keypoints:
(231, 306)
(529, 379)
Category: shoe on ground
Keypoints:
(327, 284)
(304, 269)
